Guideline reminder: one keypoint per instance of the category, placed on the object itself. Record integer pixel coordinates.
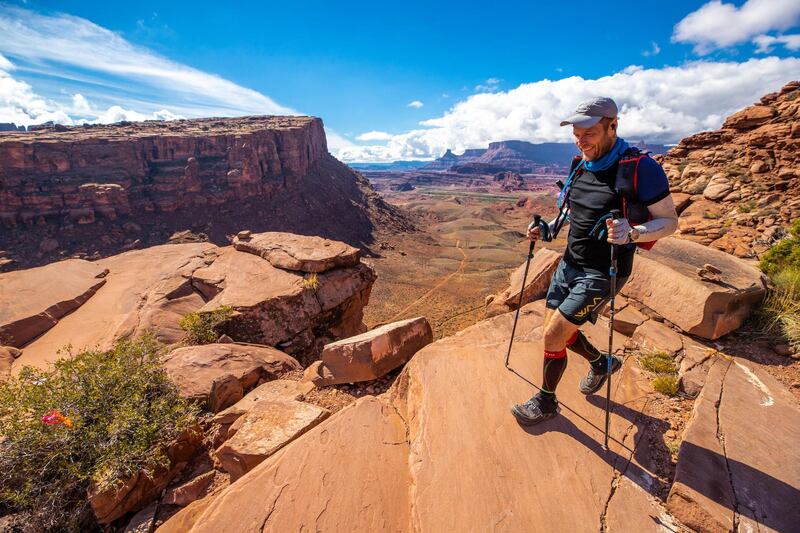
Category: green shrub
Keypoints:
(657, 362)
(201, 327)
(662, 365)
(666, 385)
(785, 254)
(711, 215)
(311, 281)
(95, 416)
(747, 206)
(779, 313)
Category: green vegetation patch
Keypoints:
(661, 364)
(201, 328)
(95, 416)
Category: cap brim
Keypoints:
(582, 121)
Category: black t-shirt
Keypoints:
(593, 196)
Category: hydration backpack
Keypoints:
(625, 184)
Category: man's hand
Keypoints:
(618, 230)
(534, 232)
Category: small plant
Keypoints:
(657, 362)
(666, 385)
(785, 254)
(94, 417)
(201, 327)
(747, 207)
(682, 166)
(662, 365)
(311, 281)
(711, 215)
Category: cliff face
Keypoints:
(94, 191)
(738, 188)
(82, 174)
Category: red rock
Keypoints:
(114, 502)
(201, 371)
(7, 356)
(373, 354)
(144, 521)
(627, 320)
(267, 427)
(277, 389)
(190, 491)
(299, 252)
(664, 279)
(655, 337)
(542, 267)
(32, 301)
(749, 117)
(723, 473)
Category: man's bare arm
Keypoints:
(664, 223)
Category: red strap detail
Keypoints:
(572, 339)
(556, 355)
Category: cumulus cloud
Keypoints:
(653, 51)
(657, 105)
(374, 136)
(719, 25)
(765, 43)
(416, 104)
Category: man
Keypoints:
(581, 283)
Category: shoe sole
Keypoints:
(527, 422)
(602, 381)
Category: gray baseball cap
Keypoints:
(589, 112)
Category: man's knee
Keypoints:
(558, 331)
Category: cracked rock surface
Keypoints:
(440, 451)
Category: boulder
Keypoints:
(205, 374)
(267, 427)
(32, 301)
(277, 389)
(737, 461)
(665, 280)
(114, 502)
(749, 117)
(542, 267)
(190, 491)
(144, 521)
(627, 320)
(717, 189)
(372, 354)
(299, 252)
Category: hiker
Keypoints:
(609, 175)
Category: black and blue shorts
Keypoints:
(580, 293)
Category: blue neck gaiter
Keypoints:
(608, 160)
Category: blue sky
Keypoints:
(472, 72)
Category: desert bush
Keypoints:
(311, 281)
(785, 255)
(711, 215)
(779, 313)
(200, 328)
(95, 416)
(747, 207)
(660, 364)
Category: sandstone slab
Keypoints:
(302, 485)
(627, 320)
(32, 301)
(7, 356)
(737, 464)
(190, 491)
(198, 371)
(136, 285)
(299, 252)
(277, 389)
(144, 521)
(653, 336)
(268, 426)
(372, 354)
(665, 280)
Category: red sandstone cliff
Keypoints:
(95, 190)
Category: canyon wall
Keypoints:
(77, 175)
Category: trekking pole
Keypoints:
(536, 221)
(612, 271)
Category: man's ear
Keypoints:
(614, 124)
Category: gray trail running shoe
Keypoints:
(595, 378)
(535, 410)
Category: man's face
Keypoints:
(594, 142)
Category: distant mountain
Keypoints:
(516, 156)
(10, 126)
(395, 165)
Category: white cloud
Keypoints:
(653, 51)
(765, 43)
(658, 105)
(719, 25)
(416, 104)
(489, 86)
(374, 136)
